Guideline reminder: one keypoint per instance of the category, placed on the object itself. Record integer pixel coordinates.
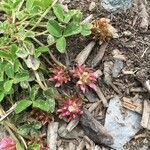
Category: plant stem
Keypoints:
(11, 127)
(39, 81)
(52, 56)
(42, 33)
(44, 14)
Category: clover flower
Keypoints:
(7, 144)
(70, 108)
(60, 76)
(86, 77)
(103, 30)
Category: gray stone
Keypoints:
(122, 125)
(116, 5)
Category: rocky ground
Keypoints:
(125, 69)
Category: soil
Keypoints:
(132, 46)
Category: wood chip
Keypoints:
(144, 16)
(72, 124)
(99, 55)
(52, 135)
(94, 106)
(81, 145)
(87, 19)
(91, 97)
(72, 146)
(134, 106)
(94, 130)
(83, 55)
(101, 96)
(145, 123)
(98, 73)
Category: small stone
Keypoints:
(92, 6)
(107, 71)
(121, 123)
(118, 65)
(116, 5)
(127, 33)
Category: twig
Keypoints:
(52, 56)
(144, 52)
(55, 60)
(43, 15)
(52, 134)
(8, 112)
(145, 123)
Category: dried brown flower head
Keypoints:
(103, 30)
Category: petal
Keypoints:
(93, 86)
(57, 84)
(83, 88)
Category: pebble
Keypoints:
(116, 5)
(118, 66)
(121, 124)
(92, 6)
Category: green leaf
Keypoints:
(51, 92)
(8, 85)
(61, 44)
(37, 125)
(13, 51)
(34, 147)
(41, 104)
(54, 28)
(22, 105)
(41, 50)
(77, 17)
(19, 146)
(43, 4)
(72, 29)
(32, 62)
(86, 29)
(25, 129)
(9, 70)
(20, 77)
(50, 40)
(22, 52)
(34, 92)
(69, 15)
(85, 32)
(51, 102)
(24, 84)
(1, 95)
(5, 54)
(59, 12)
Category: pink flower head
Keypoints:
(70, 108)
(60, 76)
(86, 77)
(7, 144)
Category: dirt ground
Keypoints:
(135, 46)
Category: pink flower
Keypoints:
(70, 108)
(7, 144)
(60, 76)
(86, 77)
